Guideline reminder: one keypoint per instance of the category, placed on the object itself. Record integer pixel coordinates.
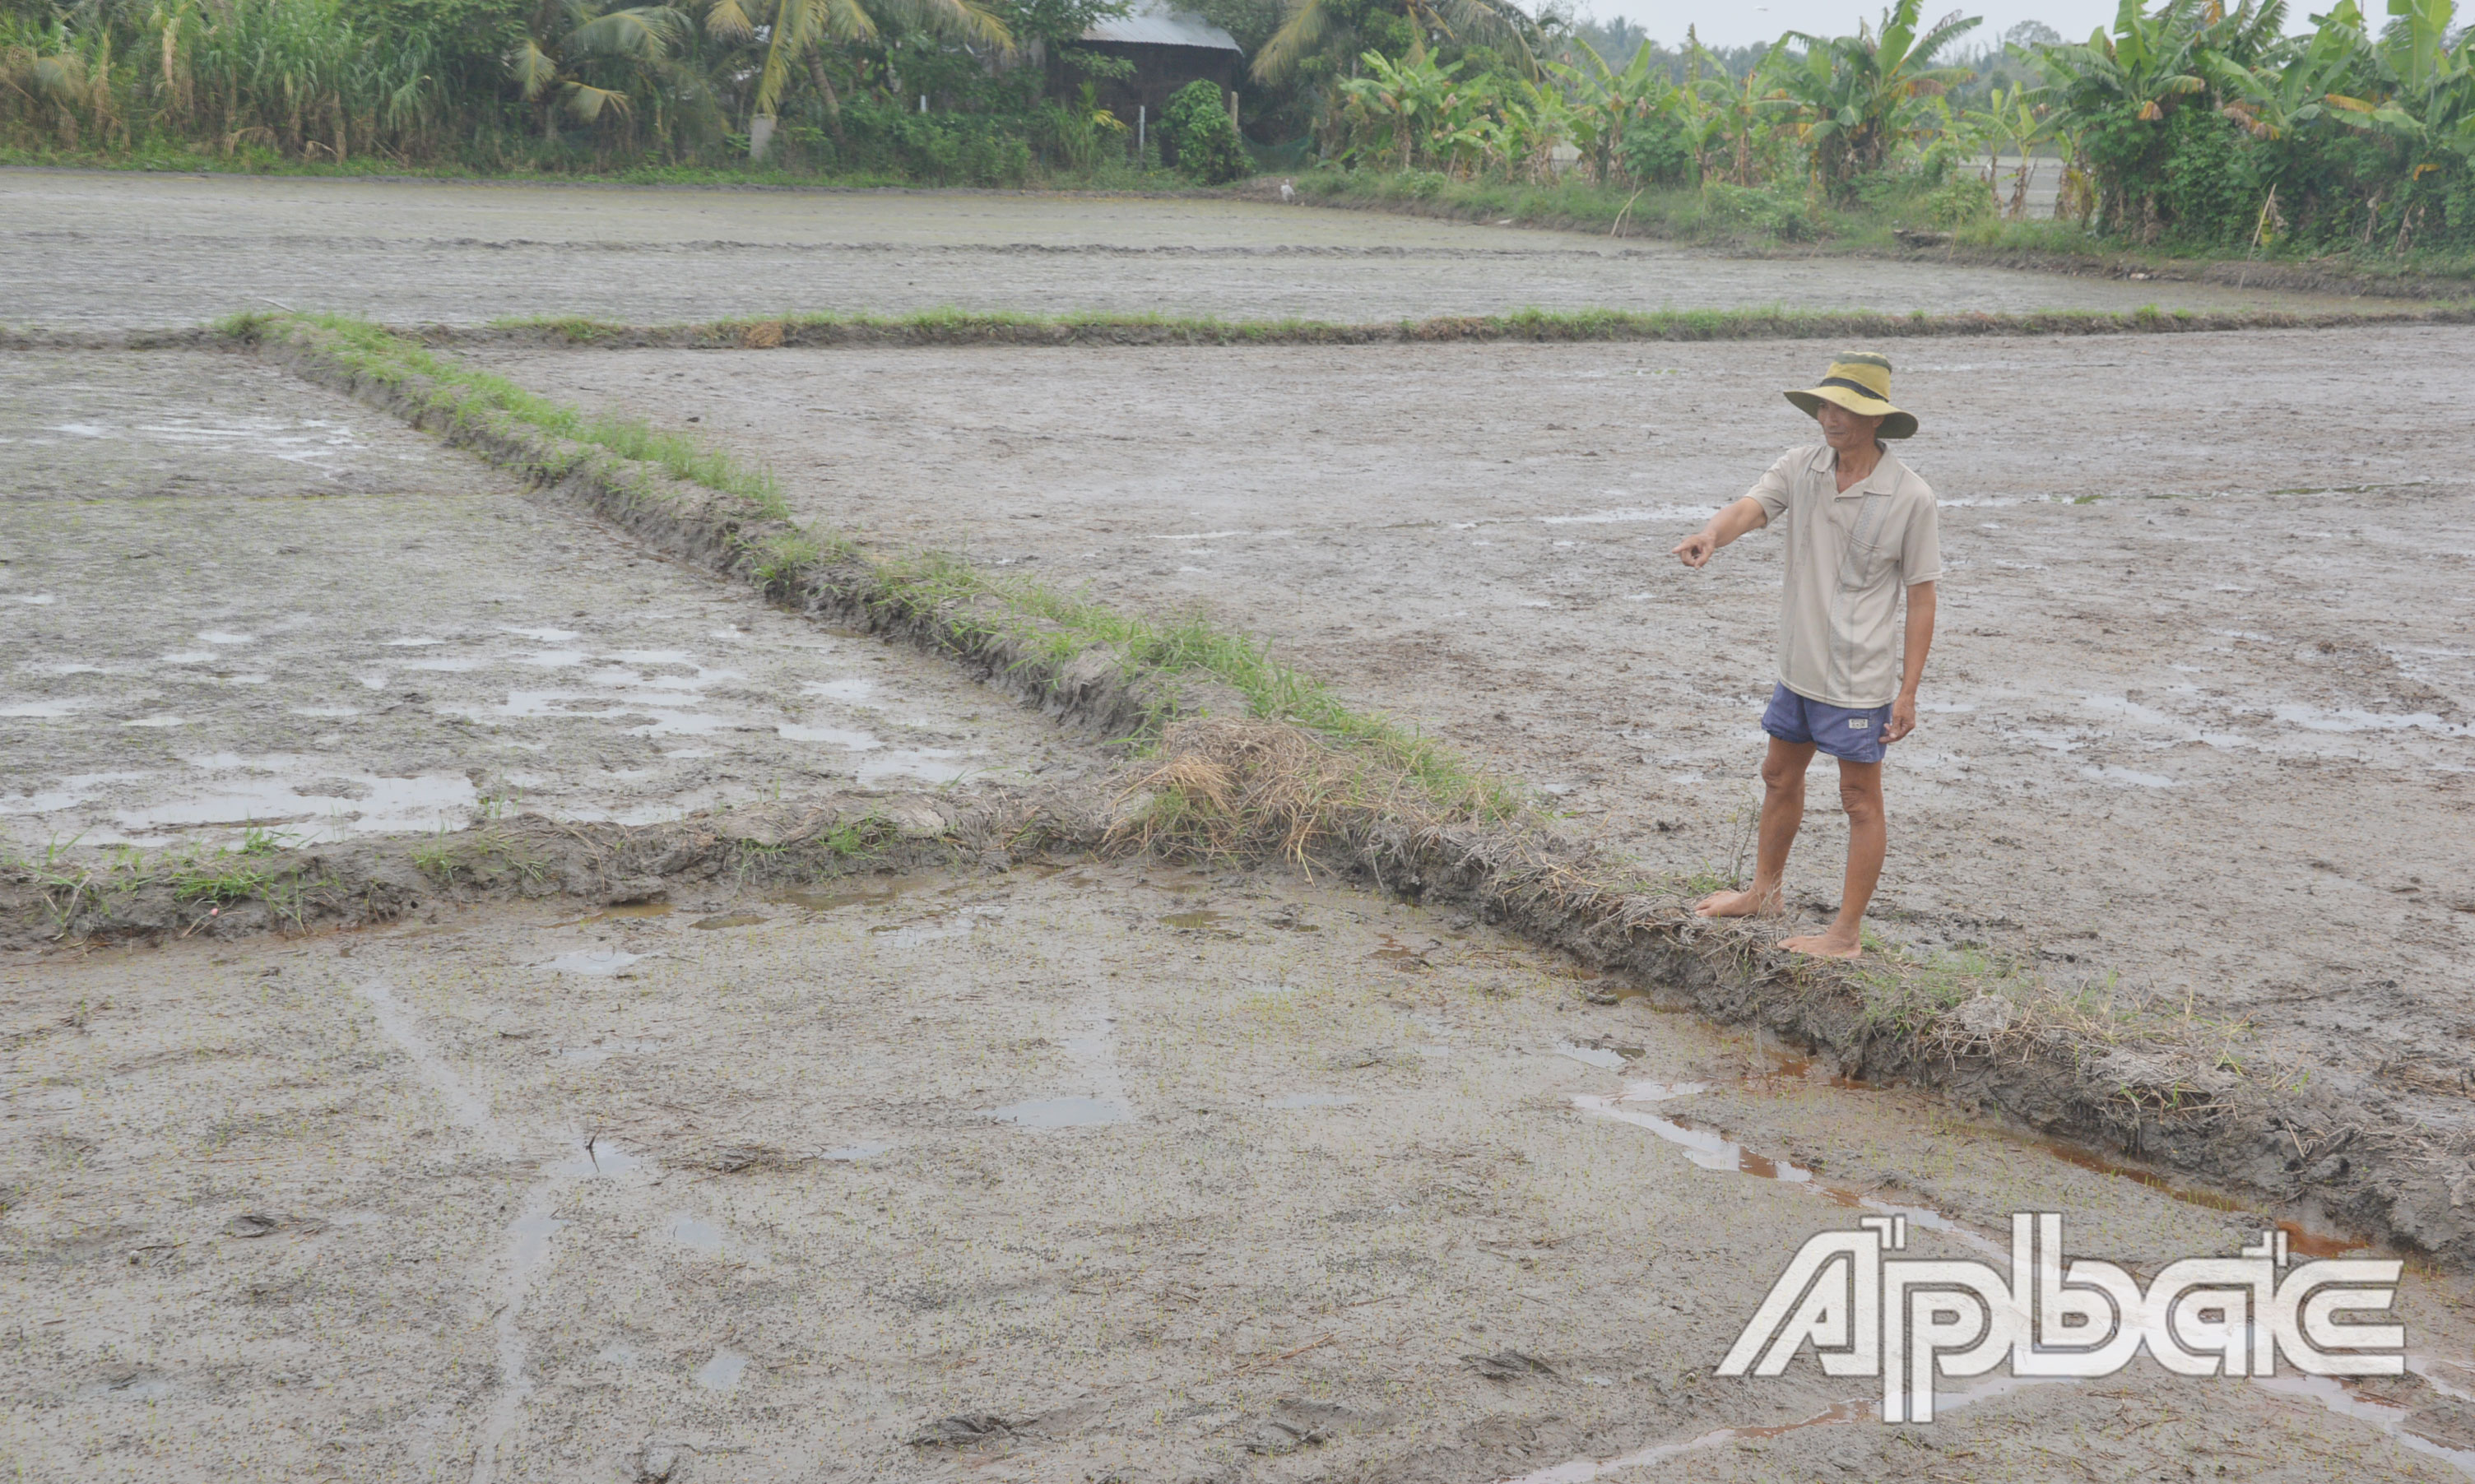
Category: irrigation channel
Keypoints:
(718, 1076)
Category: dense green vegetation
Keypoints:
(2187, 127)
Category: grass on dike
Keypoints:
(1761, 323)
(1044, 621)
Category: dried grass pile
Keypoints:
(1242, 789)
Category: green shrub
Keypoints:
(1656, 152)
(1961, 202)
(1199, 131)
(1786, 214)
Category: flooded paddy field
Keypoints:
(127, 251)
(2201, 711)
(1075, 1172)
(229, 599)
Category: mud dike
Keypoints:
(531, 972)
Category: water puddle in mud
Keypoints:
(826, 899)
(602, 1051)
(688, 1232)
(595, 961)
(1401, 955)
(877, 762)
(1580, 1470)
(1202, 920)
(631, 911)
(847, 741)
(730, 920)
(528, 1250)
(598, 1159)
(306, 795)
(722, 1371)
(1606, 1058)
(1060, 1113)
(1709, 1150)
(853, 1153)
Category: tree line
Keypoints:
(2185, 123)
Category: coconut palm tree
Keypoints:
(1858, 95)
(586, 62)
(1312, 27)
(795, 27)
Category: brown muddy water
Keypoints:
(1027, 1176)
(120, 250)
(2200, 718)
(229, 600)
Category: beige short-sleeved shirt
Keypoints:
(1850, 557)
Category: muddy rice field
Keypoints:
(2201, 711)
(1061, 1167)
(110, 252)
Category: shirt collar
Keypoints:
(1884, 478)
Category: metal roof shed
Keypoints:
(1169, 48)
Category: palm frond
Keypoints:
(645, 31)
(531, 67)
(960, 20)
(1301, 33)
(587, 102)
(848, 20)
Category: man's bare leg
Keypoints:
(1783, 814)
(1860, 793)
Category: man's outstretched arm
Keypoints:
(1744, 514)
(1921, 626)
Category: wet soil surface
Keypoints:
(2201, 712)
(228, 599)
(1077, 1171)
(128, 251)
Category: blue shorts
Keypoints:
(1850, 736)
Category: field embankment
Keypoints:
(1784, 223)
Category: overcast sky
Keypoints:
(1736, 22)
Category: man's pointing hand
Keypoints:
(1696, 548)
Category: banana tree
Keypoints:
(2009, 124)
(1607, 102)
(1858, 95)
(1400, 99)
(1730, 124)
(2425, 102)
(2113, 93)
(2279, 95)
(1535, 120)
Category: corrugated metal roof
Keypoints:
(1152, 23)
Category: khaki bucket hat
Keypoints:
(1859, 382)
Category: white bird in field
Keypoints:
(1288, 193)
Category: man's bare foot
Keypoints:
(1748, 903)
(1823, 945)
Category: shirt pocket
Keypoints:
(1866, 558)
(1864, 564)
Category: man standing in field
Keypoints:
(1860, 530)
